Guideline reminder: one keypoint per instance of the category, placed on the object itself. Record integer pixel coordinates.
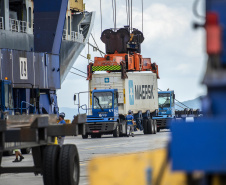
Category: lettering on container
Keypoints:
(144, 92)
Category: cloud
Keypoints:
(169, 41)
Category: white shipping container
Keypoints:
(138, 92)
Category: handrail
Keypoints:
(17, 25)
(75, 36)
(1, 23)
(28, 107)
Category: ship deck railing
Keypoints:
(1, 23)
(75, 36)
(17, 25)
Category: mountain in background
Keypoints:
(195, 104)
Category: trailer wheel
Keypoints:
(25, 150)
(69, 170)
(155, 126)
(116, 131)
(50, 160)
(150, 126)
(145, 123)
(158, 129)
(8, 153)
(85, 136)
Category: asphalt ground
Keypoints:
(88, 149)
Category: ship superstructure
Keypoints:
(20, 22)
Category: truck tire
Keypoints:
(116, 131)
(93, 136)
(8, 153)
(85, 136)
(50, 163)
(158, 129)
(155, 126)
(150, 126)
(25, 150)
(145, 125)
(69, 170)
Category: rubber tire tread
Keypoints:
(145, 125)
(116, 132)
(68, 156)
(25, 150)
(158, 129)
(50, 163)
(150, 127)
(155, 126)
(85, 136)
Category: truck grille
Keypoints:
(163, 121)
(95, 126)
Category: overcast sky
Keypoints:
(170, 41)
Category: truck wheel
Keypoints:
(145, 123)
(69, 170)
(8, 153)
(150, 126)
(85, 136)
(158, 129)
(116, 131)
(50, 160)
(25, 150)
(155, 126)
(93, 136)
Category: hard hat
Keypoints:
(129, 112)
(62, 114)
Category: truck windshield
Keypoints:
(164, 100)
(102, 100)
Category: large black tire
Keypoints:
(8, 153)
(50, 164)
(85, 136)
(155, 126)
(150, 126)
(69, 170)
(25, 150)
(158, 129)
(116, 131)
(145, 125)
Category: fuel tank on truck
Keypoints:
(138, 92)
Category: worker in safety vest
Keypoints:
(62, 121)
(130, 123)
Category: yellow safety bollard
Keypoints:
(55, 142)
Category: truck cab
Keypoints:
(104, 118)
(105, 105)
(166, 100)
(166, 103)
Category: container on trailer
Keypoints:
(138, 92)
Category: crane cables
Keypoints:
(142, 5)
(101, 16)
(77, 73)
(114, 13)
(129, 11)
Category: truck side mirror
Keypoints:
(74, 97)
(117, 95)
